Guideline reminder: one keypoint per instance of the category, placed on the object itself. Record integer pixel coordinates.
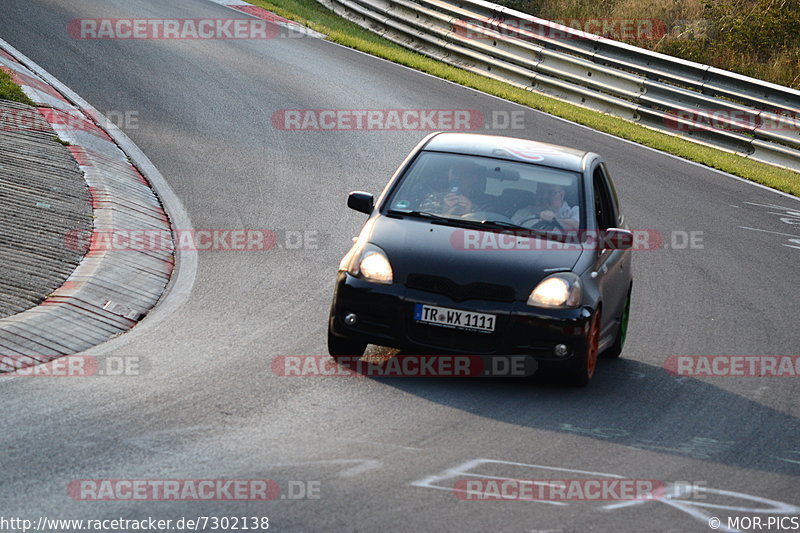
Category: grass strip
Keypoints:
(11, 91)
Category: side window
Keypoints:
(603, 206)
(614, 198)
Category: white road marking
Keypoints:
(795, 461)
(464, 470)
(770, 231)
(693, 508)
(375, 443)
(362, 465)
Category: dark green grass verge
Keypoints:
(11, 91)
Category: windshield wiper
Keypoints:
(422, 214)
(468, 221)
(552, 235)
(510, 225)
(501, 224)
(494, 224)
(452, 220)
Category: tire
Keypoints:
(342, 346)
(583, 375)
(615, 350)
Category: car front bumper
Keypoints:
(385, 316)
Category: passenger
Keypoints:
(550, 206)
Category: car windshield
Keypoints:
(462, 187)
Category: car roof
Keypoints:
(511, 148)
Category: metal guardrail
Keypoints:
(752, 118)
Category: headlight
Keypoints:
(560, 290)
(375, 267)
(368, 262)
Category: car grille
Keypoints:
(459, 293)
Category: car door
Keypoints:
(611, 265)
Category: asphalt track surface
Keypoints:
(207, 404)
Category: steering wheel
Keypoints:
(486, 215)
(545, 225)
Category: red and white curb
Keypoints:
(109, 292)
(269, 16)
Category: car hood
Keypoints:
(448, 259)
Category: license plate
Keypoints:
(454, 318)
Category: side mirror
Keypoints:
(361, 201)
(617, 239)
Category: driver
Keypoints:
(549, 207)
(466, 181)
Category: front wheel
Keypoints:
(615, 350)
(342, 346)
(582, 376)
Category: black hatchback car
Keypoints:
(489, 246)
